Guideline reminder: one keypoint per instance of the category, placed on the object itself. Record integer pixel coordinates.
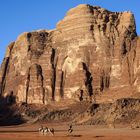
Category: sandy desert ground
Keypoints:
(82, 132)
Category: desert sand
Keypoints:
(82, 132)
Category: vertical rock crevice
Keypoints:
(27, 86)
(104, 81)
(88, 80)
(3, 79)
(53, 79)
(40, 75)
(107, 81)
(123, 49)
(62, 84)
(101, 83)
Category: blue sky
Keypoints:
(17, 16)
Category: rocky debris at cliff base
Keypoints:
(123, 111)
(53, 113)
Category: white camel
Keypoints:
(46, 130)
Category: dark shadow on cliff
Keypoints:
(9, 114)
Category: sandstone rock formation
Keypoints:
(92, 50)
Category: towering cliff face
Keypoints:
(92, 50)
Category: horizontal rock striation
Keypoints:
(92, 50)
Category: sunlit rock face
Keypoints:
(92, 50)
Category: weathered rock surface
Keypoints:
(92, 50)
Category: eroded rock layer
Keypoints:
(92, 50)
